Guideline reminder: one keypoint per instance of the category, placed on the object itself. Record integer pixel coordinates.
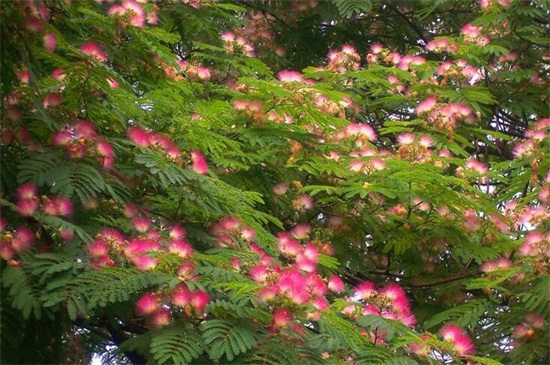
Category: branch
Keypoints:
(440, 281)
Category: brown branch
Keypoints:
(439, 282)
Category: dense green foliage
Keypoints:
(274, 182)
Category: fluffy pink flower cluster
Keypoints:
(360, 133)
(461, 343)
(193, 70)
(149, 139)
(159, 308)
(442, 44)
(111, 246)
(346, 59)
(459, 70)
(536, 244)
(415, 148)
(502, 263)
(28, 202)
(134, 13)
(388, 302)
(534, 138)
(444, 116)
(81, 139)
(237, 44)
(14, 241)
(524, 331)
(381, 55)
(284, 287)
(232, 232)
(94, 50)
(252, 108)
(472, 34)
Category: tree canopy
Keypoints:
(275, 182)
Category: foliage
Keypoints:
(271, 182)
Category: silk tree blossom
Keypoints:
(303, 202)
(160, 318)
(290, 76)
(426, 105)
(361, 131)
(460, 341)
(50, 42)
(147, 304)
(301, 231)
(536, 244)
(335, 284)
(94, 50)
(365, 290)
(181, 248)
(443, 44)
(23, 239)
(280, 188)
(58, 205)
(345, 59)
(130, 9)
(198, 160)
(501, 263)
(281, 318)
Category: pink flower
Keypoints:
(94, 50)
(394, 292)
(181, 248)
(426, 105)
(290, 76)
(316, 285)
(140, 246)
(181, 296)
(280, 188)
(58, 74)
(58, 205)
(476, 166)
(199, 301)
(185, 271)
(376, 48)
(145, 262)
(27, 191)
(287, 246)
(147, 304)
(259, 273)
(462, 344)
(85, 129)
(203, 73)
(268, 293)
(98, 248)
(113, 83)
(335, 284)
(6, 251)
(177, 232)
(27, 207)
(321, 303)
(160, 318)
(61, 138)
(281, 318)
(365, 290)
(303, 202)
(50, 42)
(139, 136)
(405, 138)
(130, 210)
(24, 238)
(301, 231)
(104, 148)
(199, 162)
(141, 224)
(53, 99)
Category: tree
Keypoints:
(343, 182)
